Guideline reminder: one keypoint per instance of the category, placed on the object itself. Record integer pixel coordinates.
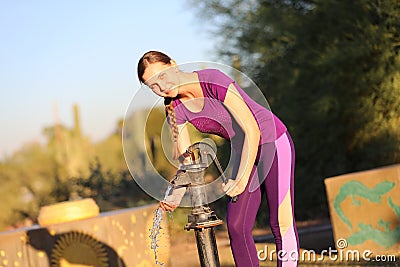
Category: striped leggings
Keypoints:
(273, 173)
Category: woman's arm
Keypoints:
(245, 119)
(172, 202)
(183, 138)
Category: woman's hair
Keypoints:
(148, 58)
(144, 61)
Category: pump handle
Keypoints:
(208, 150)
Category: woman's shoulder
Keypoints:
(214, 76)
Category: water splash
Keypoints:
(155, 230)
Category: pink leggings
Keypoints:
(273, 173)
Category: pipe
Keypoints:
(207, 247)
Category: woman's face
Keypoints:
(162, 79)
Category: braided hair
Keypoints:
(170, 111)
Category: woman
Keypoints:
(264, 150)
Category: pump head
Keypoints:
(191, 175)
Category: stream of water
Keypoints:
(155, 230)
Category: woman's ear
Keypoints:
(174, 65)
(172, 62)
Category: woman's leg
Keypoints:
(240, 219)
(279, 187)
(276, 162)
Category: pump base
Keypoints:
(201, 225)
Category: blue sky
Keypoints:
(57, 53)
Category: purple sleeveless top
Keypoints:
(215, 118)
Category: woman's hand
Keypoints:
(171, 202)
(233, 187)
(165, 206)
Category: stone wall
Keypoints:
(119, 238)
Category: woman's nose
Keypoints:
(162, 86)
